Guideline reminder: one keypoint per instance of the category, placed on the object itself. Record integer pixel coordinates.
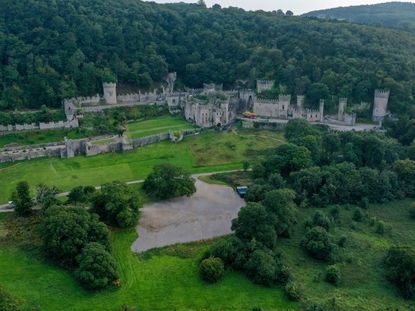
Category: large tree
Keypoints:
(169, 181)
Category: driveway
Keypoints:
(205, 215)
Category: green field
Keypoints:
(168, 281)
(211, 151)
(157, 126)
(42, 137)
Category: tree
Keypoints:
(212, 269)
(289, 13)
(298, 128)
(168, 181)
(81, 194)
(21, 198)
(288, 158)
(46, 196)
(280, 204)
(66, 230)
(117, 205)
(97, 268)
(317, 243)
(400, 269)
(254, 222)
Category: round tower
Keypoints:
(380, 107)
(110, 93)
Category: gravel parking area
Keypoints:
(205, 215)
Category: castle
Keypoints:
(211, 106)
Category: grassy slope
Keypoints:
(163, 282)
(364, 286)
(42, 137)
(157, 126)
(207, 152)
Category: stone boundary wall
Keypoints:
(70, 148)
(41, 126)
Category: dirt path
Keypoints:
(205, 215)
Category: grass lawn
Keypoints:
(157, 126)
(208, 152)
(363, 286)
(166, 281)
(42, 137)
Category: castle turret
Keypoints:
(264, 85)
(321, 110)
(300, 104)
(342, 107)
(110, 93)
(380, 106)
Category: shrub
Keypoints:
(342, 241)
(333, 275)
(81, 194)
(320, 219)
(335, 213)
(412, 211)
(317, 243)
(358, 215)
(97, 268)
(212, 269)
(8, 302)
(226, 249)
(380, 227)
(292, 291)
(400, 269)
(168, 181)
(261, 267)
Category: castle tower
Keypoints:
(342, 107)
(380, 107)
(110, 93)
(264, 85)
(170, 79)
(300, 104)
(322, 110)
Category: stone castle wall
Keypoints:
(41, 126)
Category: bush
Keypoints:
(335, 213)
(8, 302)
(412, 211)
(212, 269)
(226, 249)
(320, 219)
(262, 267)
(292, 291)
(380, 227)
(97, 268)
(81, 194)
(342, 241)
(358, 215)
(168, 181)
(333, 275)
(400, 269)
(317, 243)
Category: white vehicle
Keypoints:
(11, 204)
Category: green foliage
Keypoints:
(400, 269)
(46, 196)
(254, 222)
(319, 219)
(8, 302)
(81, 194)
(262, 267)
(44, 69)
(317, 242)
(97, 268)
(212, 269)
(333, 275)
(293, 291)
(399, 15)
(412, 211)
(358, 215)
(66, 230)
(168, 181)
(117, 205)
(21, 199)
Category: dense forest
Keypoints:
(400, 15)
(53, 49)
